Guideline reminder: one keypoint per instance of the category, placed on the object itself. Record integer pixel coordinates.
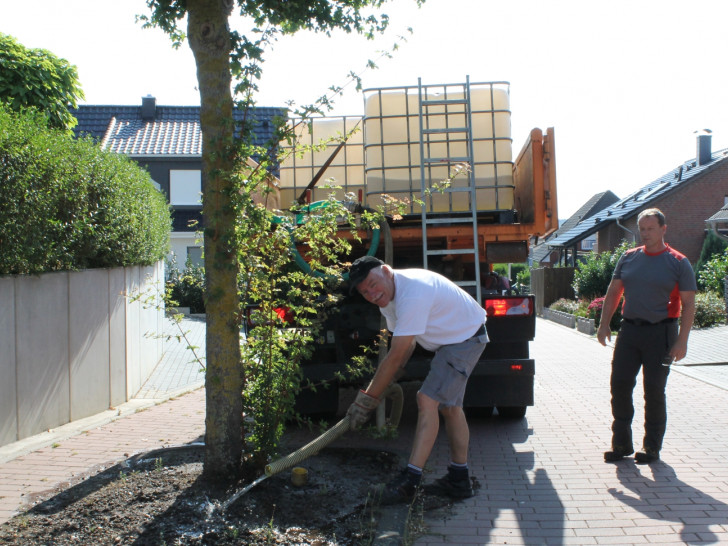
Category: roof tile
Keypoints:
(637, 201)
(174, 131)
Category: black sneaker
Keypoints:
(401, 489)
(617, 454)
(647, 456)
(449, 486)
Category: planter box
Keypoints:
(565, 319)
(585, 326)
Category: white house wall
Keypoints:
(178, 243)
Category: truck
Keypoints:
(437, 159)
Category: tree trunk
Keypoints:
(209, 39)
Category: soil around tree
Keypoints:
(158, 498)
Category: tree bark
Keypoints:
(209, 39)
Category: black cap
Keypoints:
(360, 269)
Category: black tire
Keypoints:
(512, 412)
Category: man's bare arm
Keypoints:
(680, 349)
(611, 302)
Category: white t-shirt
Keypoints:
(432, 308)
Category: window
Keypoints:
(194, 256)
(185, 187)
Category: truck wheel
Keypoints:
(512, 412)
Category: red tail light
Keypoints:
(516, 367)
(501, 307)
(284, 313)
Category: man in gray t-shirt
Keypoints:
(656, 281)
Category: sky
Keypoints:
(625, 84)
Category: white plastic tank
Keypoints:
(392, 146)
(320, 138)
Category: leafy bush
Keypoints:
(186, 288)
(516, 271)
(709, 309)
(592, 277)
(278, 291)
(713, 247)
(523, 275)
(67, 205)
(713, 273)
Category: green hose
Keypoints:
(303, 264)
(393, 392)
(310, 449)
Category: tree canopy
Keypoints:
(36, 78)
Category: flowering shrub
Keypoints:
(565, 306)
(594, 311)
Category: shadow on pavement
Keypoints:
(664, 497)
(513, 483)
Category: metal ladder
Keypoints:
(438, 136)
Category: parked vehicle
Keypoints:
(443, 152)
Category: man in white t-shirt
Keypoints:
(424, 307)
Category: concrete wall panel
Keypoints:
(151, 313)
(8, 400)
(42, 353)
(117, 337)
(134, 378)
(73, 344)
(89, 342)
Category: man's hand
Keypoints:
(679, 350)
(604, 333)
(360, 411)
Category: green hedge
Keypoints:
(67, 205)
(709, 309)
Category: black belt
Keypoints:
(640, 322)
(480, 332)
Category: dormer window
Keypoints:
(185, 187)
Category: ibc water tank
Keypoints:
(392, 145)
(320, 138)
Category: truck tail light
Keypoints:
(501, 307)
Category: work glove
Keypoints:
(360, 411)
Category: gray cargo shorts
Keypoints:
(450, 368)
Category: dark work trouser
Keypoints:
(640, 346)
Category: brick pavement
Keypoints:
(543, 479)
(182, 366)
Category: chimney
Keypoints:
(149, 108)
(704, 153)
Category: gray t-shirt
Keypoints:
(653, 282)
